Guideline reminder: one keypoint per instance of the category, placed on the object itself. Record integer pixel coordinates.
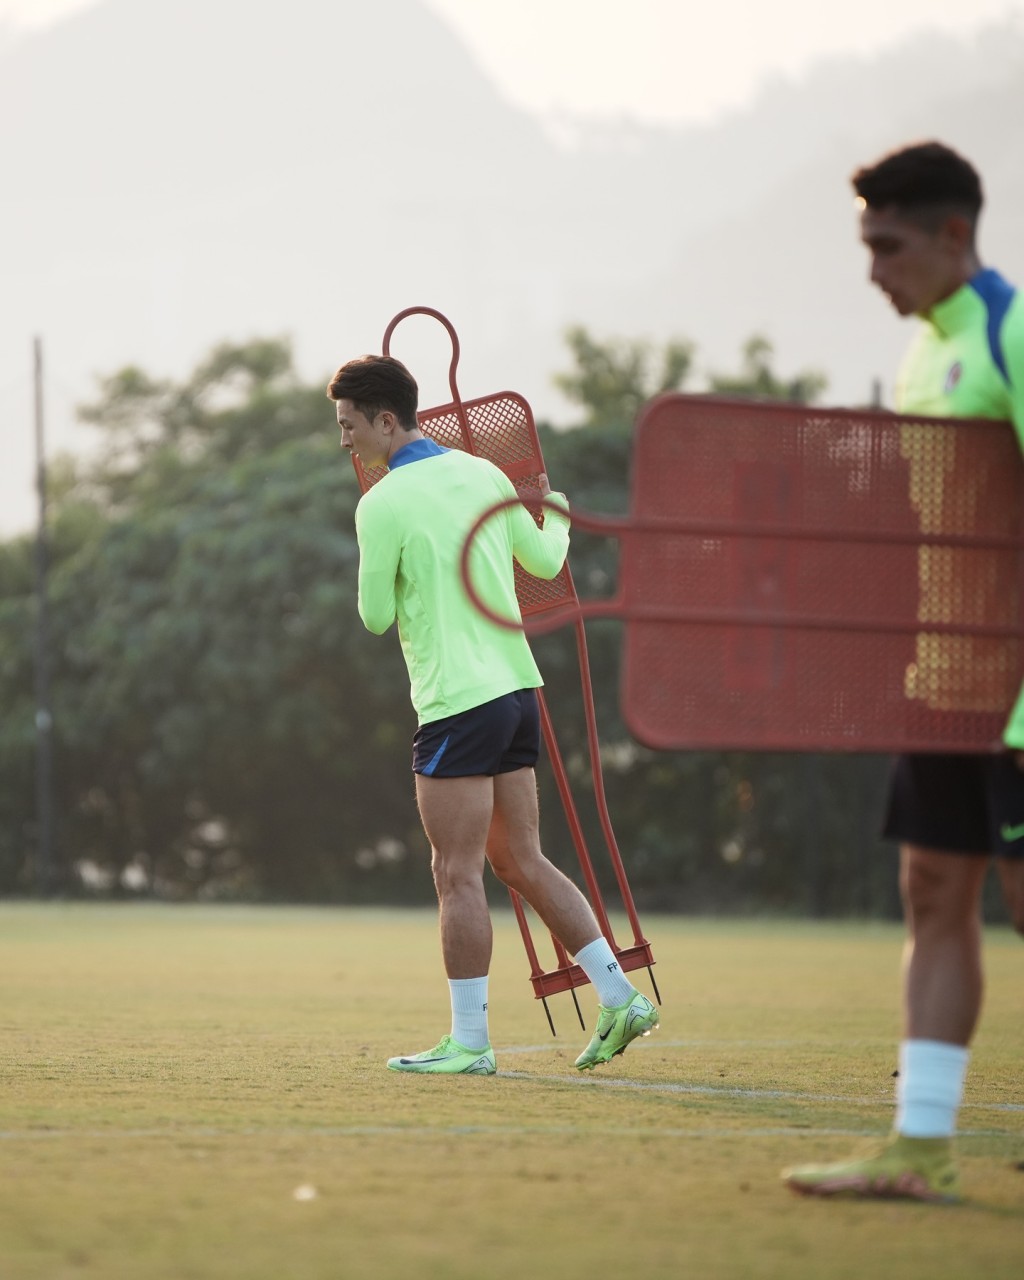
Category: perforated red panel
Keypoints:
(500, 428)
(845, 580)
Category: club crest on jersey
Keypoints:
(953, 377)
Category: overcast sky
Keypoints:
(688, 60)
(652, 61)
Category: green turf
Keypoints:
(171, 1076)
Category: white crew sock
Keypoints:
(469, 1012)
(930, 1088)
(597, 960)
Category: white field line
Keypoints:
(575, 1080)
(433, 1131)
(580, 1081)
(660, 1043)
(710, 1090)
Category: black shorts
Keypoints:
(499, 736)
(958, 803)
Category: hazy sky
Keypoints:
(652, 61)
(564, 56)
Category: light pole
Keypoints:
(44, 862)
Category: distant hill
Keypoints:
(184, 171)
(779, 251)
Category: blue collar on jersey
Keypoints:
(414, 451)
(997, 294)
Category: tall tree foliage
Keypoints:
(757, 379)
(225, 726)
(610, 380)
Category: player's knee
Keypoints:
(917, 887)
(503, 867)
(453, 871)
(514, 865)
(931, 892)
(510, 874)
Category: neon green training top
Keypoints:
(967, 361)
(411, 527)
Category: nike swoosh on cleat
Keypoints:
(606, 1034)
(421, 1061)
(1011, 834)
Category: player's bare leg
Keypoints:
(513, 849)
(942, 971)
(514, 852)
(456, 815)
(942, 990)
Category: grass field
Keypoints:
(173, 1076)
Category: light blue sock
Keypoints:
(930, 1088)
(598, 962)
(469, 1012)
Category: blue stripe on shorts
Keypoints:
(435, 759)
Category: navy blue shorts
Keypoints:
(499, 736)
(958, 803)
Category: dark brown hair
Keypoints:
(925, 181)
(375, 384)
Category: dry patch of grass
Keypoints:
(173, 1076)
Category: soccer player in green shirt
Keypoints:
(473, 687)
(950, 813)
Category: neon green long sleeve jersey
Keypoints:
(967, 358)
(411, 528)
(967, 361)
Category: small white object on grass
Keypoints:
(305, 1192)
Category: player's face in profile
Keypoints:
(909, 262)
(361, 436)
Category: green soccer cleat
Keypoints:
(906, 1168)
(616, 1028)
(448, 1058)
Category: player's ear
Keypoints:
(957, 232)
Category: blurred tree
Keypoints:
(17, 723)
(612, 379)
(757, 380)
(225, 726)
(214, 691)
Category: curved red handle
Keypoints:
(442, 319)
